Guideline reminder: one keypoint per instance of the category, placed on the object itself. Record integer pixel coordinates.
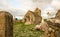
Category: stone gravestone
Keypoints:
(6, 24)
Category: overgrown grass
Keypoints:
(22, 30)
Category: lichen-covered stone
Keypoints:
(6, 24)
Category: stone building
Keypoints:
(55, 27)
(6, 24)
(58, 14)
(32, 17)
(37, 11)
(50, 29)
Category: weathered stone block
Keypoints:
(6, 24)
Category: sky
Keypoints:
(20, 7)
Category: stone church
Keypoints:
(32, 17)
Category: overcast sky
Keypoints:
(20, 7)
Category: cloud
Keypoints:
(52, 7)
(41, 3)
(56, 4)
(25, 4)
(18, 7)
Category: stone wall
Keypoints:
(58, 14)
(32, 17)
(38, 11)
(6, 24)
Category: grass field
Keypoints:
(22, 30)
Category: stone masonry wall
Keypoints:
(6, 24)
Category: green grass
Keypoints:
(22, 30)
